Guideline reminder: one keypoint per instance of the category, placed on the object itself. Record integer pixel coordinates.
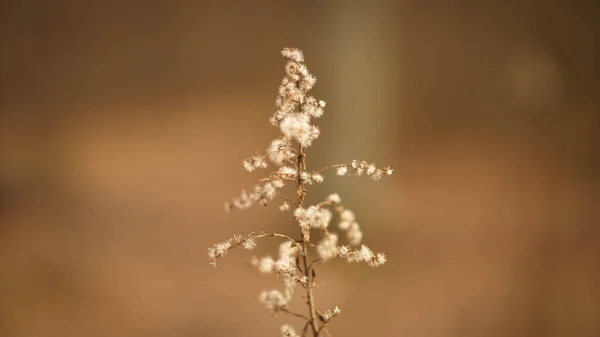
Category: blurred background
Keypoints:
(124, 124)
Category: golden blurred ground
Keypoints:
(124, 125)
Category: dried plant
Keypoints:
(295, 109)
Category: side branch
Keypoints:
(287, 311)
(277, 235)
(248, 242)
(331, 167)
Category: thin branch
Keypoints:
(285, 198)
(273, 177)
(305, 329)
(287, 311)
(324, 326)
(293, 275)
(321, 316)
(315, 260)
(331, 167)
(324, 322)
(262, 235)
(325, 203)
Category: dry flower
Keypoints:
(295, 110)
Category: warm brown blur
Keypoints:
(124, 124)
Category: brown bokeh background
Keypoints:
(124, 123)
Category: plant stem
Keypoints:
(294, 314)
(301, 192)
(262, 235)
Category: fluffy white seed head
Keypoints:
(317, 178)
(334, 198)
(266, 265)
(288, 331)
(315, 217)
(331, 313)
(279, 151)
(248, 166)
(388, 170)
(344, 225)
(306, 178)
(371, 169)
(377, 175)
(287, 172)
(379, 260)
(284, 206)
(307, 82)
(347, 215)
(273, 299)
(318, 217)
(254, 162)
(364, 254)
(354, 234)
(344, 251)
(327, 247)
(297, 127)
(293, 54)
(287, 250)
(299, 212)
(249, 244)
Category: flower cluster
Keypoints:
(261, 193)
(254, 162)
(284, 267)
(221, 248)
(288, 331)
(274, 299)
(294, 107)
(328, 247)
(312, 217)
(364, 254)
(280, 151)
(359, 167)
(295, 110)
(331, 313)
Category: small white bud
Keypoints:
(371, 169)
(248, 166)
(284, 206)
(288, 331)
(317, 178)
(347, 215)
(344, 225)
(377, 175)
(344, 251)
(266, 265)
(249, 244)
(299, 212)
(335, 198)
(293, 54)
(336, 311)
